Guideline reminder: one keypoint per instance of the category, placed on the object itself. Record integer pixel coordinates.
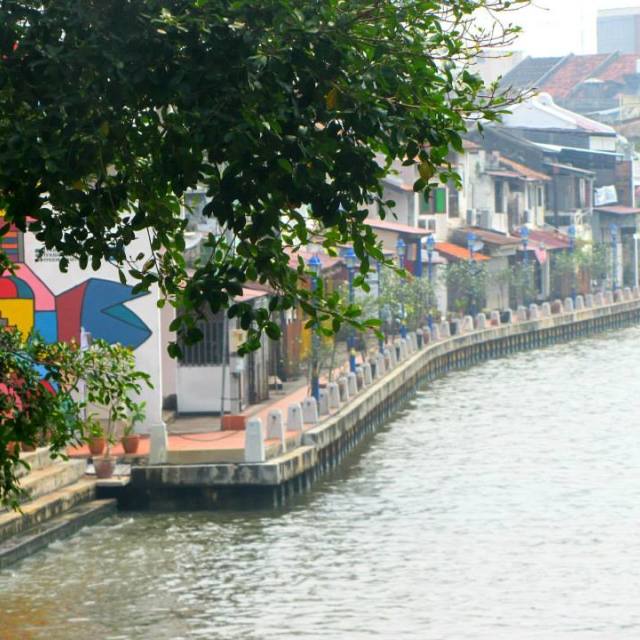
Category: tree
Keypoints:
(520, 278)
(467, 284)
(110, 110)
(402, 299)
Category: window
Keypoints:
(540, 196)
(436, 202)
(454, 202)
(499, 196)
(209, 350)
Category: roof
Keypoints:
(556, 148)
(250, 294)
(569, 169)
(621, 66)
(618, 209)
(541, 112)
(572, 72)
(550, 239)
(326, 261)
(523, 170)
(498, 173)
(397, 227)
(455, 252)
(492, 237)
(528, 73)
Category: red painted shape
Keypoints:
(69, 310)
(8, 289)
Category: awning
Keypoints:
(455, 252)
(618, 210)
(397, 227)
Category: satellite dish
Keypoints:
(478, 245)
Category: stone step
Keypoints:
(61, 526)
(51, 478)
(45, 508)
(38, 459)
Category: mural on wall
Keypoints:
(97, 305)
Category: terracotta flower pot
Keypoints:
(97, 445)
(104, 466)
(130, 443)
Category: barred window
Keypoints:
(209, 350)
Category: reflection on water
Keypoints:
(503, 503)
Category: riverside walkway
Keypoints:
(285, 450)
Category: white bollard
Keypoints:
(598, 299)
(546, 310)
(392, 355)
(343, 387)
(404, 347)
(334, 395)
(435, 333)
(495, 319)
(158, 444)
(366, 370)
(579, 303)
(481, 322)
(254, 450)
(467, 324)
(323, 402)
(626, 293)
(521, 313)
(608, 297)
(534, 312)
(445, 329)
(294, 417)
(359, 377)
(568, 307)
(352, 383)
(588, 301)
(310, 410)
(275, 427)
(381, 365)
(635, 292)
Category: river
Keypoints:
(502, 503)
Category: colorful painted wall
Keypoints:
(38, 297)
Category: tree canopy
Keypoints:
(281, 110)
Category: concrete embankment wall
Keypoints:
(325, 445)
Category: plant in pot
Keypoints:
(130, 439)
(110, 382)
(96, 439)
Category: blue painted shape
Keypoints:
(24, 290)
(46, 324)
(105, 316)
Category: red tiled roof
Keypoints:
(450, 250)
(623, 65)
(618, 209)
(571, 73)
(550, 239)
(523, 170)
(398, 227)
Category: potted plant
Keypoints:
(130, 439)
(110, 381)
(96, 440)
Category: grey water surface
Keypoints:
(503, 502)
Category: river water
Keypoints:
(503, 502)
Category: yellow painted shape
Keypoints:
(19, 313)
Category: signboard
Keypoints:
(605, 195)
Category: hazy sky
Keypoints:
(556, 27)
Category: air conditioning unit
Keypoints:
(485, 218)
(471, 217)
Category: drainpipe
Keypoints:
(556, 214)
